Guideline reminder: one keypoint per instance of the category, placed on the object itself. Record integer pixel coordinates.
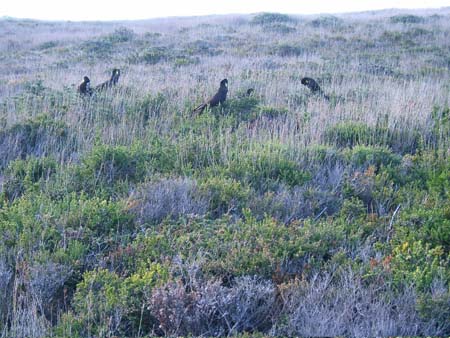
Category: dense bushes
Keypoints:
(349, 134)
(33, 137)
(273, 214)
(270, 18)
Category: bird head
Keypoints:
(224, 83)
(305, 81)
(86, 79)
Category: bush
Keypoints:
(200, 47)
(327, 22)
(420, 264)
(279, 28)
(21, 175)
(363, 157)
(112, 163)
(271, 18)
(98, 304)
(315, 308)
(264, 170)
(36, 137)
(406, 19)
(169, 198)
(349, 134)
(101, 49)
(106, 166)
(244, 108)
(121, 34)
(209, 309)
(272, 112)
(224, 195)
(151, 56)
(287, 50)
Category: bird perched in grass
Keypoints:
(85, 87)
(111, 82)
(219, 97)
(314, 87)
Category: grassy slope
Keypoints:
(125, 215)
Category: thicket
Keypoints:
(124, 215)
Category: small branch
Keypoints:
(392, 220)
(320, 214)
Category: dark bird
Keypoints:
(85, 87)
(111, 82)
(219, 97)
(249, 92)
(314, 87)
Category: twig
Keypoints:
(392, 220)
(320, 214)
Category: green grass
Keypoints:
(123, 214)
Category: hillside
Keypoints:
(285, 212)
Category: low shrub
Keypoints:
(106, 166)
(364, 156)
(224, 195)
(406, 19)
(210, 309)
(151, 56)
(271, 18)
(21, 175)
(287, 50)
(172, 198)
(38, 137)
(349, 134)
(264, 170)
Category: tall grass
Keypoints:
(295, 204)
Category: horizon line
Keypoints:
(8, 17)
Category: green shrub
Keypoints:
(48, 45)
(96, 216)
(35, 87)
(21, 175)
(271, 18)
(243, 109)
(225, 195)
(98, 304)
(113, 163)
(327, 22)
(279, 28)
(349, 134)
(183, 61)
(262, 170)
(406, 19)
(320, 154)
(135, 291)
(418, 264)
(151, 56)
(41, 226)
(287, 50)
(429, 225)
(364, 156)
(101, 49)
(271, 112)
(121, 34)
(200, 47)
(34, 137)
(107, 165)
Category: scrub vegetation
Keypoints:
(281, 213)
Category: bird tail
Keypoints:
(199, 109)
